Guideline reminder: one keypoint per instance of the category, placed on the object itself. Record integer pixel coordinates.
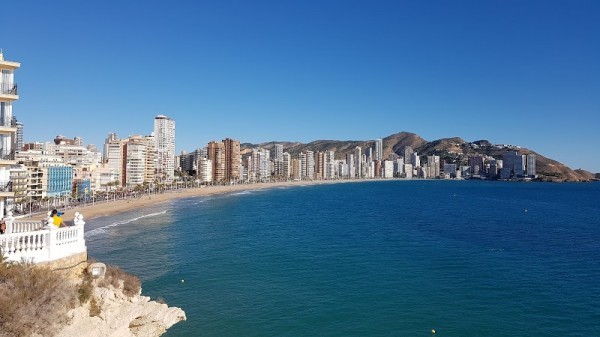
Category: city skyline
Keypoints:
(519, 73)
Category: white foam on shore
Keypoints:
(202, 201)
(241, 193)
(103, 229)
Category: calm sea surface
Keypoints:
(382, 258)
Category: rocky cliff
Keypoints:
(112, 313)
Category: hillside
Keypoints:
(451, 150)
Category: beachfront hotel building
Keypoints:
(278, 152)
(8, 95)
(164, 136)
(134, 161)
(378, 149)
(358, 162)
(112, 137)
(287, 165)
(205, 167)
(232, 159)
(216, 154)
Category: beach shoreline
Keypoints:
(103, 208)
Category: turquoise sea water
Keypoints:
(382, 258)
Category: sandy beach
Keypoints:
(103, 208)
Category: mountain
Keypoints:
(451, 150)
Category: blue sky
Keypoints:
(518, 72)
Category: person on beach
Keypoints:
(2, 227)
(58, 221)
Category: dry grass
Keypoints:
(33, 300)
(95, 308)
(119, 279)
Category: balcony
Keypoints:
(9, 89)
(6, 189)
(6, 157)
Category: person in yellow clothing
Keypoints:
(58, 221)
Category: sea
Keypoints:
(373, 258)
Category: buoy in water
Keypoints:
(182, 280)
(433, 331)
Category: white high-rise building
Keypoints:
(278, 152)
(358, 162)
(287, 165)
(329, 165)
(204, 170)
(164, 136)
(531, 169)
(379, 149)
(408, 171)
(8, 94)
(351, 171)
(135, 161)
(433, 165)
(114, 158)
(388, 169)
(111, 137)
(415, 160)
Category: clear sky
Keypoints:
(518, 72)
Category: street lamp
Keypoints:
(30, 195)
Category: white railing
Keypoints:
(27, 226)
(31, 241)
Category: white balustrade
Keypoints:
(33, 242)
(28, 226)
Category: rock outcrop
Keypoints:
(118, 315)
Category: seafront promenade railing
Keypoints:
(41, 241)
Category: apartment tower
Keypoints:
(8, 95)
(164, 140)
(216, 154)
(232, 159)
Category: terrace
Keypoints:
(41, 241)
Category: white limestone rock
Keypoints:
(121, 316)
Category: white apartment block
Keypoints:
(415, 160)
(114, 159)
(388, 169)
(164, 133)
(135, 162)
(379, 149)
(102, 178)
(287, 165)
(205, 173)
(278, 155)
(358, 162)
(330, 165)
(8, 95)
(310, 165)
(351, 171)
(408, 171)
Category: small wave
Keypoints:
(103, 229)
(241, 193)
